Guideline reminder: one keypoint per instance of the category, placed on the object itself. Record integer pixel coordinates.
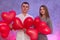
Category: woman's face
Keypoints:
(42, 10)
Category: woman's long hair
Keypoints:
(46, 11)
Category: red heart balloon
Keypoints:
(44, 28)
(28, 22)
(33, 33)
(8, 16)
(4, 29)
(17, 24)
(3, 23)
(37, 21)
(4, 35)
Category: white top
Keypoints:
(22, 17)
(20, 34)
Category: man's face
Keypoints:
(25, 8)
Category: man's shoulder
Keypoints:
(18, 15)
(30, 15)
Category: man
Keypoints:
(21, 35)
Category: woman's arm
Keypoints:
(50, 24)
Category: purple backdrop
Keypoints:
(53, 7)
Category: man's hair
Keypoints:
(25, 3)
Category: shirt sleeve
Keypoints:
(50, 25)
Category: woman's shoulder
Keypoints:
(48, 19)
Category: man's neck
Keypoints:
(24, 14)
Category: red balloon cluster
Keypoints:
(7, 18)
(10, 16)
(4, 29)
(42, 27)
(17, 24)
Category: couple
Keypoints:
(44, 15)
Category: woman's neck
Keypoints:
(43, 16)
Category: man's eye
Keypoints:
(23, 6)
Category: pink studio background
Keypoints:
(54, 12)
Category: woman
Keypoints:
(44, 16)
